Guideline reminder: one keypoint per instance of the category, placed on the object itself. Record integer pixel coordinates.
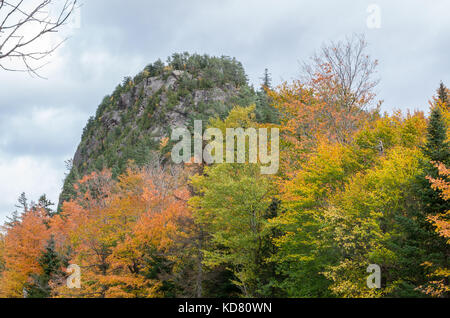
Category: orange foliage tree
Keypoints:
(114, 226)
(2, 254)
(440, 287)
(23, 245)
(332, 100)
(442, 221)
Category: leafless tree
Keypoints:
(23, 24)
(350, 66)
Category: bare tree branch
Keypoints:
(350, 66)
(23, 25)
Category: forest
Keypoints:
(355, 187)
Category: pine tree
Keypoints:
(432, 248)
(23, 202)
(436, 148)
(14, 219)
(267, 79)
(443, 95)
(51, 262)
(268, 278)
(265, 112)
(45, 204)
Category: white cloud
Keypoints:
(30, 175)
(41, 121)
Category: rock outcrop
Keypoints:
(130, 123)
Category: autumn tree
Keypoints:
(443, 185)
(91, 227)
(363, 221)
(302, 256)
(2, 254)
(122, 232)
(348, 70)
(23, 244)
(342, 207)
(333, 98)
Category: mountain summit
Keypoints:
(131, 122)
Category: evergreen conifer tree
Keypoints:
(265, 112)
(428, 245)
(443, 95)
(51, 262)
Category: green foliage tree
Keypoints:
(232, 205)
(303, 253)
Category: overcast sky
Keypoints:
(41, 120)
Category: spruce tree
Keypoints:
(51, 262)
(431, 247)
(46, 204)
(265, 113)
(420, 242)
(436, 148)
(443, 95)
(15, 218)
(267, 79)
(23, 202)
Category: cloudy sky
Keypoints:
(41, 120)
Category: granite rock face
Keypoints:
(130, 123)
(177, 116)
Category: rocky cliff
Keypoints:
(130, 123)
